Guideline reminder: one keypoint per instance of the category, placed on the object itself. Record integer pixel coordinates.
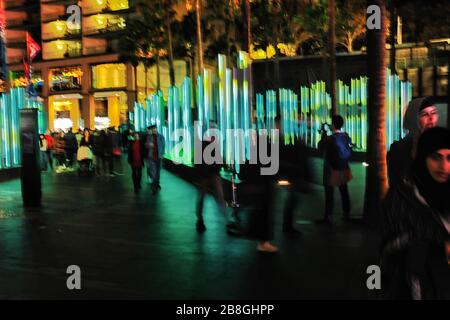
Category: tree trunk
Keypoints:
(249, 50)
(199, 36)
(376, 175)
(146, 80)
(392, 32)
(171, 68)
(349, 43)
(158, 74)
(136, 99)
(332, 53)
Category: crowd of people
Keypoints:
(414, 217)
(60, 150)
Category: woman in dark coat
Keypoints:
(87, 140)
(416, 223)
(136, 160)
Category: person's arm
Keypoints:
(392, 166)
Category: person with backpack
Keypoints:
(336, 170)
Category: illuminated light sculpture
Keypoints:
(10, 104)
(224, 98)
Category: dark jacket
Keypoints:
(295, 165)
(98, 145)
(71, 142)
(413, 238)
(149, 150)
(207, 170)
(399, 160)
(130, 151)
(89, 143)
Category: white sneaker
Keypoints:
(266, 247)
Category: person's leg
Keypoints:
(104, 165)
(329, 194)
(158, 164)
(345, 201)
(60, 159)
(97, 165)
(43, 161)
(200, 225)
(111, 164)
(139, 177)
(265, 234)
(289, 209)
(218, 194)
(149, 170)
(118, 164)
(70, 158)
(50, 159)
(153, 172)
(134, 173)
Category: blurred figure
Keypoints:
(43, 152)
(136, 151)
(336, 169)
(155, 146)
(85, 155)
(71, 146)
(86, 139)
(258, 190)
(60, 151)
(108, 151)
(420, 116)
(295, 167)
(97, 150)
(79, 136)
(116, 152)
(50, 147)
(416, 224)
(210, 181)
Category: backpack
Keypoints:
(342, 150)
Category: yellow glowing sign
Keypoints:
(60, 104)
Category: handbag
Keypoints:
(116, 152)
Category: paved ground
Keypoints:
(146, 246)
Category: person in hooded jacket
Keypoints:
(420, 116)
(415, 224)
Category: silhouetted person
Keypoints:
(71, 146)
(155, 146)
(258, 191)
(336, 169)
(136, 153)
(420, 116)
(210, 182)
(295, 167)
(415, 223)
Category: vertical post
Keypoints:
(31, 168)
(435, 80)
(332, 52)
(420, 82)
(448, 89)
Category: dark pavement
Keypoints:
(145, 246)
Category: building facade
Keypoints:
(78, 73)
